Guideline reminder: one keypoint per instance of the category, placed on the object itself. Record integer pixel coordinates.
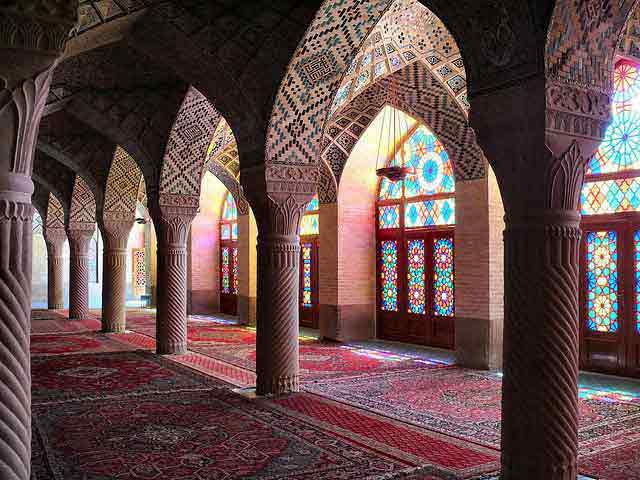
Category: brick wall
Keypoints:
(203, 275)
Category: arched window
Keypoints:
(415, 244)
(610, 289)
(229, 256)
(309, 245)
(39, 272)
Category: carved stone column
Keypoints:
(173, 217)
(79, 240)
(539, 161)
(278, 214)
(54, 239)
(115, 233)
(33, 38)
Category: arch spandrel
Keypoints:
(83, 205)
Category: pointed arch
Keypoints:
(123, 183)
(55, 214)
(83, 205)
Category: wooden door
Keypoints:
(229, 279)
(609, 294)
(309, 304)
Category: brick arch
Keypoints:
(327, 186)
(123, 184)
(55, 214)
(582, 39)
(83, 205)
(186, 152)
(421, 94)
(232, 184)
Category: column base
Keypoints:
(529, 471)
(277, 386)
(119, 328)
(171, 349)
(57, 306)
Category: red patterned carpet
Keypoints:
(74, 377)
(466, 404)
(63, 325)
(323, 360)
(197, 435)
(65, 344)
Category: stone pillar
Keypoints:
(278, 209)
(173, 217)
(115, 234)
(79, 240)
(55, 238)
(34, 38)
(539, 162)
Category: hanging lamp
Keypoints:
(396, 127)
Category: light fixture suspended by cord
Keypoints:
(391, 156)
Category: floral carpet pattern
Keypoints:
(466, 404)
(74, 377)
(198, 435)
(65, 344)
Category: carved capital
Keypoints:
(54, 238)
(576, 111)
(13, 210)
(79, 239)
(116, 233)
(173, 216)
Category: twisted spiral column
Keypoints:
(79, 273)
(277, 329)
(114, 275)
(54, 239)
(540, 386)
(173, 220)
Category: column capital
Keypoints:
(54, 238)
(79, 237)
(173, 215)
(115, 231)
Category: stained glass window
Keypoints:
(310, 224)
(416, 276)
(636, 242)
(430, 213)
(619, 151)
(225, 231)
(307, 249)
(389, 216)
(235, 271)
(229, 210)
(443, 277)
(226, 270)
(602, 281)
(389, 275)
(431, 174)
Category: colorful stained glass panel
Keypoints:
(314, 205)
(433, 169)
(235, 271)
(229, 210)
(430, 213)
(310, 224)
(389, 216)
(389, 275)
(306, 274)
(443, 283)
(602, 281)
(416, 276)
(390, 190)
(225, 231)
(636, 267)
(611, 196)
(234, 231)
(225, 268)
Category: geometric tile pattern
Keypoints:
(422, 95)
(223, 149)
(55, 213)
(408, 31)
(123, 183)
(327, 188)
(232, 184)
(186, 150)
(92, 13)
(83, 203)
(313, 76)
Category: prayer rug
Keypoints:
(44, 314)
(323, 360)
(67, 344)
(221, 370)
(73, 377)
(466, 404)
(133, 339)
(195, 435)
(618, 463)
(447, 457)
(50, 326)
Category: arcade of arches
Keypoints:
(354, 239)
